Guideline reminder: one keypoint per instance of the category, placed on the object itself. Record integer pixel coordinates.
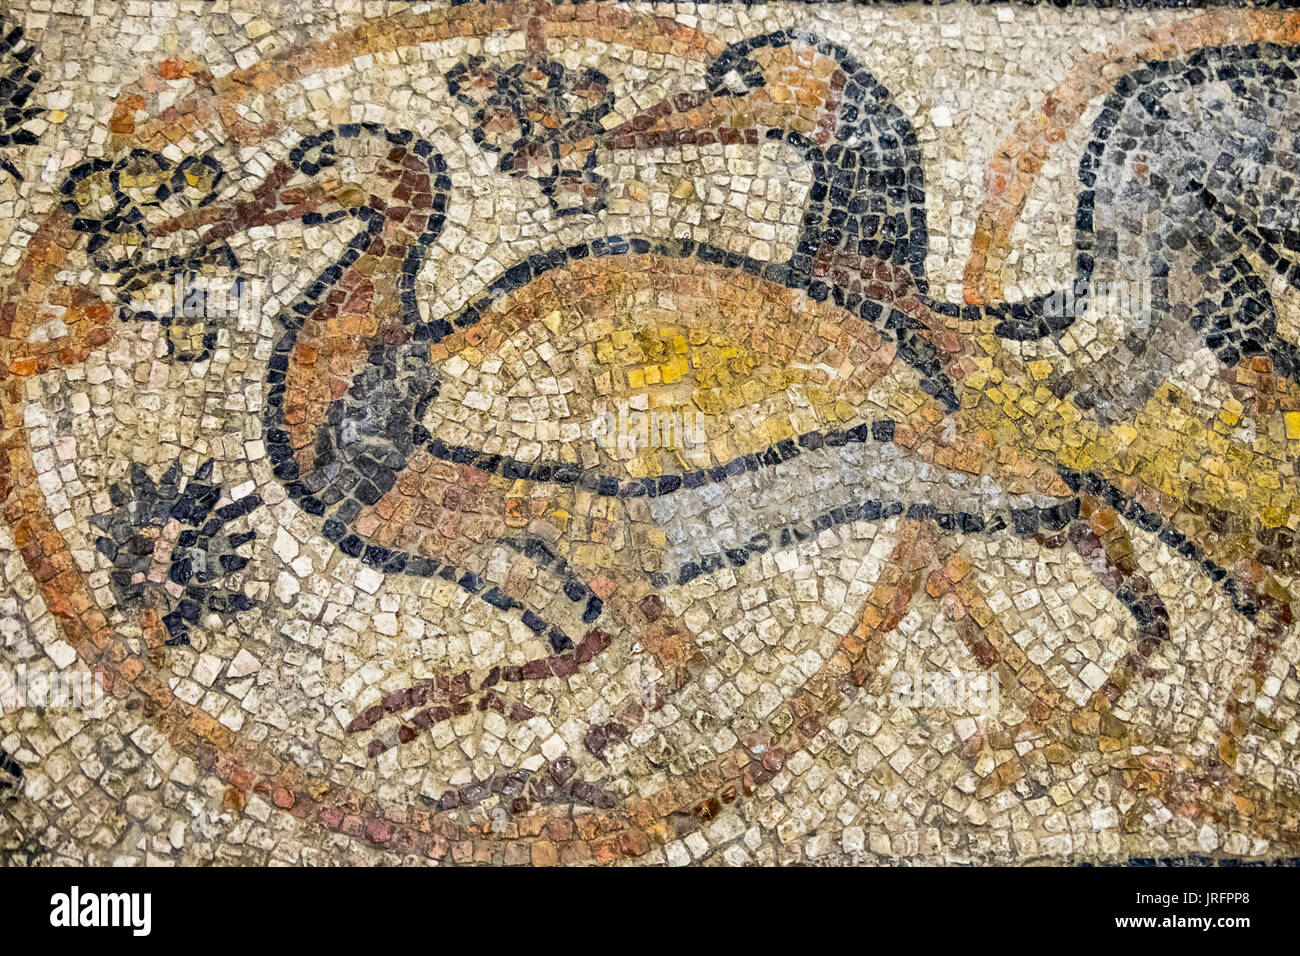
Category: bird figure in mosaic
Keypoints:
(770, 401)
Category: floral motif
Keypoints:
(108, 199)
(112, 202)
(172, 520)
(16, 88)
(543, 120)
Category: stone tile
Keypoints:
(700, 434)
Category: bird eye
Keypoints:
(318, 156)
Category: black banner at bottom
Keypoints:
(339, 906)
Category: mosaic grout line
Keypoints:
(716, 434)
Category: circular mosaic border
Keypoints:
(629, 830)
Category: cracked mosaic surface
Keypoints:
(654, 433)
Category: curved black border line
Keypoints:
(1028, 321)
(899, 152)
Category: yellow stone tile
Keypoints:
(1293, 425)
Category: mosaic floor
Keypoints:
(670, 434)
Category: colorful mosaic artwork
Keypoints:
(702, 433)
